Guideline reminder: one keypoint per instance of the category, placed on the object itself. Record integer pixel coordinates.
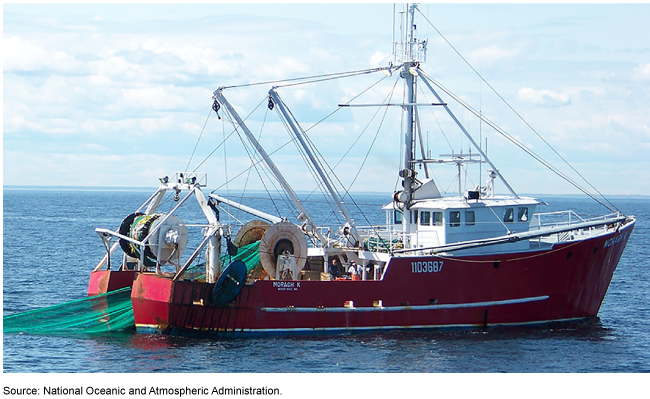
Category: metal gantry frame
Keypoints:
(150, 205)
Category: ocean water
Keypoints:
(50, 247)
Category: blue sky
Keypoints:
(117, 95)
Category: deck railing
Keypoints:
(387, 238)
(563, 218)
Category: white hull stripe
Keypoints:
(150, 328)
(154, 327)
(403, 308)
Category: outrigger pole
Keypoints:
(299, 134)
(310, 227)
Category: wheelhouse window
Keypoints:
(470, 218)
(414, 217)
(437, 218)
(425, 218)
(509, 215)
(454, 218)
(522, 214)
(398, 217)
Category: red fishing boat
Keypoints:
(474, 259)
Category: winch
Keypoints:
(165, 238)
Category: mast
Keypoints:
(408, 172)
(410, 52)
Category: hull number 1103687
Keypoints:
(426, 267)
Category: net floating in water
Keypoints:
(97, 314)
(104, 313)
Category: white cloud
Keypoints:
(159, 98)
(23, 56)
(282, 67)
(144, 85)
(543, 97)
(379, 59)
(491, 55)
(29, 168)
(641, 73)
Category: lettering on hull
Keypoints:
(286, 285)
(427, 267)
(615, 240)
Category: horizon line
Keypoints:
(151, 188)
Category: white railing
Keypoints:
(391, 237)
(563, 218)
(188, 178)
(567, 218)
(558, 218)
(384, 238)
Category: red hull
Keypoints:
(567, 282)
(103, 281)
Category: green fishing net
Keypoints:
(98, 314)
(381, 244)
(249, 254)
(103, 313)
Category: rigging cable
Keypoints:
(347, 191)
(224, 140)
(324, 163)
(516, 142)
(254, 165)
(381, 123)
(320, 157)
(198, 140)
(260, 161)
(331, 169)
(313, 78)
(332, 113)
(611, 206)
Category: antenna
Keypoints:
(409, 48)
(480, 123)
(394, 5)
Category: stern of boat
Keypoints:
(103, 281)
(151, 298)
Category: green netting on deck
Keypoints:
(93, 315)
(249, 254)
(381, 244)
